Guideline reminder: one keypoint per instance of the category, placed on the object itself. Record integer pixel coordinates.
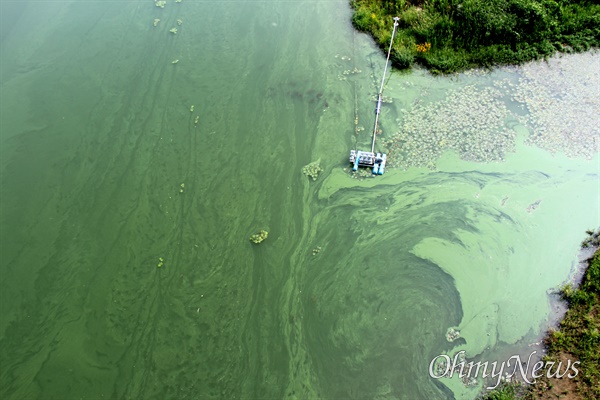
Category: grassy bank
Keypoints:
(452, 35)
(577, 339)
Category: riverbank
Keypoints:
(447, 36)
(576, 339)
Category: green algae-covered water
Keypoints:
(106, 168)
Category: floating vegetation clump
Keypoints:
(259, 237)
(563, 112)
(384, 98)
(441, 367)
(351, 71)
(160, 4)
(470, 121)
(452, 334)
(346, 72)
(362, 174)
(312, 170)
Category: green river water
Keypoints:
(97, 138)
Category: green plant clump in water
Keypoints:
(259, 237)
(446, 36)
(312, 170)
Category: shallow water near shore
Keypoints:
(105, 168)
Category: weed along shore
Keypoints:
(571, 367)
(447, 36)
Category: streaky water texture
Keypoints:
(106, 168)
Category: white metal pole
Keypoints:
(379, 96)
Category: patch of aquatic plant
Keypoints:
(312, 170)
(562, 112)
(447, 36)
(362, 174)
(452, 334)
(470, 121)
(259, 237)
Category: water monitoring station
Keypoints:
(370, 159)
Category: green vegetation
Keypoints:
(507, 391)
(451, 35)
(312, 170)
(259, 237)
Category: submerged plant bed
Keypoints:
(447, 36)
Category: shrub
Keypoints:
(480, 32)
(402, 58)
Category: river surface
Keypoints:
(126, 269)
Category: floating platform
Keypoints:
(359, 158)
